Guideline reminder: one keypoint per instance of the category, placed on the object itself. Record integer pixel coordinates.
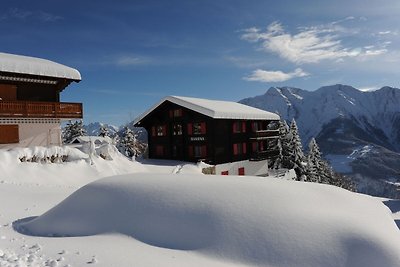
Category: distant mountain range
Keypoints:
(357, 131)
(93, 129)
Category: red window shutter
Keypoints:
(243, 126)
(254, 146)
(203, 128)
(171, 113)
(234, 127)
(153, 131)
(190, 151)
(235, 149)
(244, 148)
(190, 128)
(241, 171)
(225, 173)
(164, 130)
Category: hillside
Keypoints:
(345, 120)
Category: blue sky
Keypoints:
(133, 53)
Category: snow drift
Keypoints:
(251, 220)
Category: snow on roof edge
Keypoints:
(247, 113)
(36, 66)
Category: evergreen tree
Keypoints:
(284, 139)
(296, 157)
(104, 131)
(127, 143)
(73, 130)
(315, 166)
(319, 170)
(282, 145)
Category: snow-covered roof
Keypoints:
(36, 66)
(216, 109)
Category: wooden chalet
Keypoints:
(216, 132)
(30, 107)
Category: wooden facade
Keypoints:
(179, 133)
(33, 96)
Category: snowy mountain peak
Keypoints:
(93, 128)
(374, 113)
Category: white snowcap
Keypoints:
(36, 66)
(216, 109)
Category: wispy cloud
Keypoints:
(308, 45)
(129, 60)
(275, 76)
(25, 15)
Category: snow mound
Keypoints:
(251, 220)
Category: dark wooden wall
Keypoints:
(218, 140)
(31, 91)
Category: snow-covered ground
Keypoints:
(166, 213)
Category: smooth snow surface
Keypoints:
(36, 66)
(228, 220)
(216, 109)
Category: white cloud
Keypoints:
(131, 61)
(375, 52)
(308, 45)
(275, 76)
(26, 15)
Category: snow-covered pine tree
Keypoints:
(104, 131)
(282, 145)
(320, 171)
(296, 157)
(314, 163)
(73, 130)
(284, 139)
(127, 143)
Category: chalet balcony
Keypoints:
(264, 134)
(261, 155)
(33, 109)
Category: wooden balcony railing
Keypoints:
(33, 109)
(264, 134)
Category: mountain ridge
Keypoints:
(345, 121)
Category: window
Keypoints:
(178, 113)
(198, 151)
(257, 146)
(239, 127)
(225, 173)
(239, 149)
(177, 129)
(197, 128)
(161, 130)
(254, 126)
(241, 171)
(175, 113)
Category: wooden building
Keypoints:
(216, 132)
(30, 107)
